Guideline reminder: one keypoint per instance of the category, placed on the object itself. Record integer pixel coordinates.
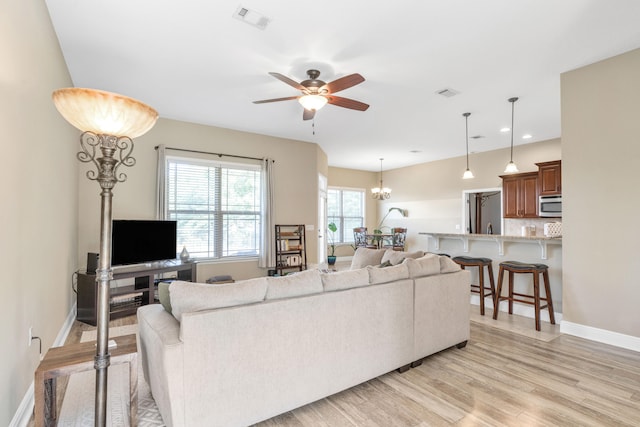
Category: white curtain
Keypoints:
(267, 249)
(161, 183)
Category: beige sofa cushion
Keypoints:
(293, 285)
(346, 279)
(387, 274)
(427, 265)
(365, 256)
(396, 257)
(447, 265)
(187, 297)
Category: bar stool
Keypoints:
(481, 263)
(515, 267)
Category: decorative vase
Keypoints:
(331, 259)
(184, 255)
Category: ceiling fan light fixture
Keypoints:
(312, 102)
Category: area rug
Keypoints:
(78, 404)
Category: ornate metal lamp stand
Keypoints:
(109, 122)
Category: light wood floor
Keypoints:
(500, 378)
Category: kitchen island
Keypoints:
(499, 248)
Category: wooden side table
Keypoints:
(76, 358)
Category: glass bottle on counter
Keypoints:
(489, 229)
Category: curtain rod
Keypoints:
(208, 152)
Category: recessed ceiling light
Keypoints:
(251, 17)
(476, 137)
(527, 136)
(415, 151)
(505, 130)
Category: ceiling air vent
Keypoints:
(251, 17)
(447, 92)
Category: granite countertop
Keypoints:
(490, 236)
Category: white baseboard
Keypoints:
(587, 332)
(23, 415)
(601, 335)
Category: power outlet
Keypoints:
(30, 335)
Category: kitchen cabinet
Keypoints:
(520, 195)
(549, 178)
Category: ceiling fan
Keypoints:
(316, 93)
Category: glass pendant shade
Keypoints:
(312, 102)
(511, 167)
(104, 113)
(467, 174)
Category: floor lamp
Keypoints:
(109, 122)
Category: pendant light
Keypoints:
(511, 167)
(380, 193)
(467, 174)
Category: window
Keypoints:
(217, 206)
(345, 207)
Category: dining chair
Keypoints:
(360, 237)
(399, 236)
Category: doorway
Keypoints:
(482, 211)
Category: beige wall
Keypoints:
(39, 196)
(296, 169)
(601, 150)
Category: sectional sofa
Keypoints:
(237, 354)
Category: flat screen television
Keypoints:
(140, 241)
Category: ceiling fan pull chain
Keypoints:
(313, 125)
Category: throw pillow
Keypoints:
(365, 256)
(163, 296)
(427, 265)
(386, 263)
(346, 279)
(447, 265)
(187, 297)
(396, 257)
(389, 274)
(293, 285)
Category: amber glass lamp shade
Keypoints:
(104, 113)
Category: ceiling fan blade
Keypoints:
(288, 98)
(288, 81)
(344, 83)
(347, 103)
(308, 114)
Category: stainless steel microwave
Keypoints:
(550, 206)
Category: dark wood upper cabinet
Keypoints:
(550, 178)
(520, 195)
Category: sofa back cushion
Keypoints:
(365, 256)
(187, 297)
(427, 265)
(346, 279)
(387, 274)
(396, 257)
(293, 285)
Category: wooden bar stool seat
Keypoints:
(516, 267)
(480, 288)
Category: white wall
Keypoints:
(39, 196)
(601, 153)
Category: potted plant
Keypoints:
(331, 259)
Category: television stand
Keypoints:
(125, 300)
